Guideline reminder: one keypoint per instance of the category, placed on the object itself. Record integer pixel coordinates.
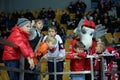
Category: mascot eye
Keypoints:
(91, 34)
(84, 31)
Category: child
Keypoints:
(58, 52)
(43, 48)
(109, 54)
(20, 37)
(77, 60)
(35, 39)
(35, 33)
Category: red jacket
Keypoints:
(76, 64)
(21, 40)
(91, 51)
(72, 43)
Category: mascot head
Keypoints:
(87, 30)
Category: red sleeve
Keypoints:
(26, 49)
(93, 48)
(69, 56)
(82, 54)
(23, 44)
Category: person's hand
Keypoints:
(75, 54)
(102, 54)
(76, 57)
(44, 58)
(59, 57)
(32, 66)
(31, 63)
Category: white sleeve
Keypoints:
(62, 50)
(44, 38)
(62, 53)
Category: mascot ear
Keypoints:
(99, 31)
(78, 28)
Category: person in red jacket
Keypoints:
(20, 37)
(77, 60)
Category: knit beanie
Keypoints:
(22, 21)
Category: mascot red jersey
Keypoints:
(89, 33)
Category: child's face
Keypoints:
(51, 45)
(39, 25)
(52, 32)
(26, 28)
(79, 50)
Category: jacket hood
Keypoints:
(18, 29)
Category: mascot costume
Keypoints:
(88, 33)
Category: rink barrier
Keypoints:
(22, 71)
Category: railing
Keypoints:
(22, 71)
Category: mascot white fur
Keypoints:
(89, 33)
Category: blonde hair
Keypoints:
(51, 39)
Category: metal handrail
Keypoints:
(68, 72)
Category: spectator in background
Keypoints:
(20, 37)
(55, 23)
(108, 25)
(71, 23)
(46, 23)
(65, 17)
(80, 6)
(117, 25)
(112, 14)
(43, 14)
(118, 9)
(62, 33)
(29, 15)
(51, 14)
(71, 7)
(78, 17)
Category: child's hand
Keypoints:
(76, 57)
(59, 57)
(75, 54)
(32, 66)
(44, 57)
(102, 54)
(31, 63)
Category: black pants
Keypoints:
(59, 68)
(29, 76)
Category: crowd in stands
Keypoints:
(106, 13)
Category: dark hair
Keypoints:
(52, 27)
(37, 20)
(79, 45)
(104, 40)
